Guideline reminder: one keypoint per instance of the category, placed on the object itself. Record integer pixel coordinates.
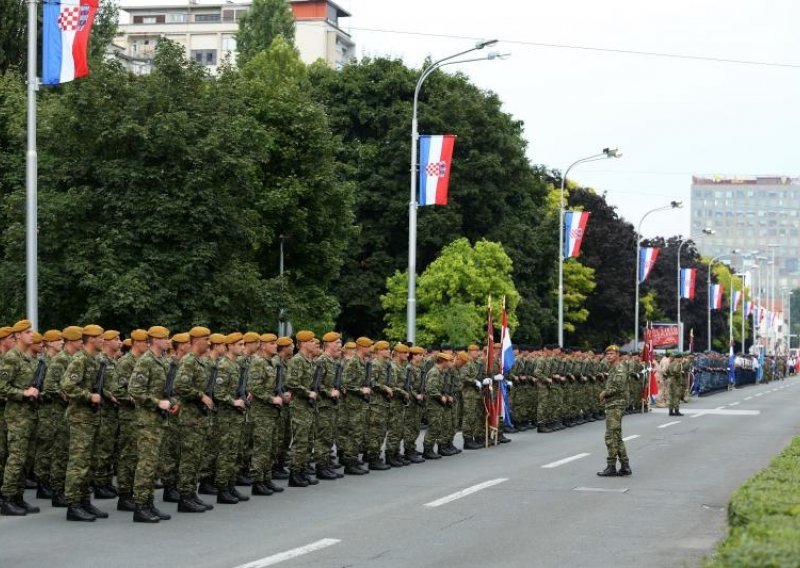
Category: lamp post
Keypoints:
(411, 308)
(706, 231)
(672, 205)
(708, 289)
(731, 307)
(605, 154)
(772, 336)
(789, 323)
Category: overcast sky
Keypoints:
(670, 117)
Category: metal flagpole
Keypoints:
(31, 160)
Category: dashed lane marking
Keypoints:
(551, 465)
(465, 492)
(289, 554)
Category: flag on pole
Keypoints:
(715, 298)
(650, 391)
(691, 340)
(436, 157)
(737, 296)
(647, 260)
(748, 309)
(731, 365)
(688, 279)
(506, 362)
(66, 26)
(492, 421)
(574, 227)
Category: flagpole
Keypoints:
(31, 163)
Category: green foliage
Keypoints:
(452, 293)
(13, 34)
(578, 284)
(104, 29)
(764, 517)
(265, 21)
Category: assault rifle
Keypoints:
(241, 388)
(386, 391)
(169, 385)
(423, 387)
(338, 380)
(408, 385)
(38, 380)
(99, 385)
(209, 392)
(367, 379)
(315, 384)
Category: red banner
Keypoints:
(665, 335)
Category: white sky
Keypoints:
(670, 117)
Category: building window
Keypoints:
(232, 15)
(207, 18)
(205, 56)
(154, 19)
(177, 18)
(229, 43)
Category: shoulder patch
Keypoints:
(220, 380)
(75, 378)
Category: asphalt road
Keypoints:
(515, 512)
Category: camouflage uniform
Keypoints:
(228, 425)
(16, 375)
(126, 416)
(397, 408)
(352, 434)
(195, 422)
(299, 375)
(412, 419)
(283, 424)
(676, 373)
(378, 418)
(104, 454)
(265, 417)
(435, 390)
(170, 444)
(615, 395)
(326, 412)
(472, 397)
(50, 413)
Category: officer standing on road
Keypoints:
(615, 398)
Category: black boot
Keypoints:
(471, 444)
(243, 480)
(326, 474)
(207, 487)
(280, 472)
(395, 461)
(311, 479)
(261, 489)
(414, 458)
(77, 513)
(240, 496)
(104, 492)
(161, 516)
(503, 440)
(196, 499)
(624, 469)
(11, 509)
(188, 505)
(59, 500)
(353, 469)
(19, 501)
(126, 503)
(171, 495)
(671, 412)
(225, 497)
(453, 448)
(143, 514)
(44, 491)
(678, 412)
(378, 465)
(296, 479)
(429, 454)
(275, 488)
(87, 506)
(543, 428)
(609, 471)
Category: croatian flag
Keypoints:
(715, 299)
(737, 295)
(748, 309)
(574, 227)
(436, 157)
(688, 279)
(647, 260)
(506, 362)
(66, 28)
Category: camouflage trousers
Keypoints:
(412, 424)
(394, 435)
(59, 455)
(377, 426)
(20, 418)
(434, 435)
(170, 456)
(352, 428)
(49, 415)
(265, 418)
(449, 423)
(303, 419)
(126, 442)
(84, 423)
(324, 433)
(194, 430)
(614, 443)
(208, 463)
(676, 388)
(3, 440)
(245, 457)
(283, 436)
(543, 414)
(228, 435)
(104, 455)
(150, 428)
(473, 425)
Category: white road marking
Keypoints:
(749, 398)
(670, 424)
(735, 403)
(551, 465)
(631, 437)
(759, 394)
(465, 492)
(289, 554)
(602, 489)
(708, 411)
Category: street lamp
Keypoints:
(672, 205)
(770, 332)
(731, 306)
(708, 289)
(604, 155)
(706, 231)
(789, 323)
(411, 308)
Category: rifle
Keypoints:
(209, 392)
(280, 371)
(389, 382)
(315, 384)
(408, 386)
(169, 385)
(38, 380)
(338, 380)
(367, 379)
(241, 388)
(447, 389)
(99, 385)
(423, 386)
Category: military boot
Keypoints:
(87, 506)
(503, 440)
(243, 480)
(678, 412)
(202, 503)
(413, 457)
(143, 514)
(609, 471)
(171, 494)
(275, 488)
(395, 461)
(543, 428)
(280, 472)
(19, 501)
(260, 488)
(125, 503)
(188, 505)
(11, 509)
(225, 497)
(471, 444)
(378, 465)
(104, 492)
(44, 491)
(624, 469)
(444, 450)
(453, 448)
(296, 479)
(161, 516)
(671, 412)
(353, 469)
(326, 473)
(59, 500)
(429, 454)
(207, 487)
(77, 513)
(240, 496)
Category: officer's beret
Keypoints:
(21, 325)
(251, 337)
(52, 335)
(284, 341)
(139, 335)
(158, 332)
(181, 337)
(350, 345)
(92, 330)
(72, 333)
(416, 350)
(199, 332)
(304, 335)
(234, 337)
(37, 337)
(612, 348)
(315, 340)
(400, 348)
(380, 345)
(110, 334)
(473, 347)
(331, 336)
(463, 356)
(217, 338)
(127, 342)
(268, 337)
(444, 356)
(5, 331)
(364, 342)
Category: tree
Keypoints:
(452, 294)
(260, 25)
(13, 31)
(578, 284)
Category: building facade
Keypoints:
(207, 30)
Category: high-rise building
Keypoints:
(207, 30)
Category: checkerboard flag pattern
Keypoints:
(436, 157)
(67, 25)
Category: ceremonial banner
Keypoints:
(435, 159)
(574, 228)
(66, 27)
(647, 260)
(688, 280)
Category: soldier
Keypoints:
(146, 387)
(436, 394)
(378, 418)
(328, 392)
(614, 396)
(348, 350)
(170, 444)
(265, 410)
(299, 376)
(194, 393)
(126, 416)
(283, 427)
(6, 343)
(103, 455)
(357, 384)
(231, 398)
(47, 418)
(472, 384)
(209, 460)
(677, 373)
(16, 387)
(412, 419)
(397, 405)
(83, 384)
(252, 343)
